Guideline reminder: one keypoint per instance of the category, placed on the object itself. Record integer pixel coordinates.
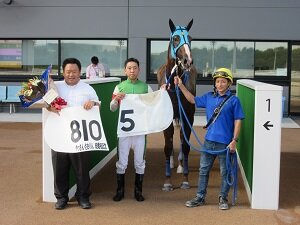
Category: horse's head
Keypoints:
(180, 45)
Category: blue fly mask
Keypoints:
(180, 43)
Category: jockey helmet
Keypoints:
(224, 73)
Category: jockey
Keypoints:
(136, 142)
(224, 114)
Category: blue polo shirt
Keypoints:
(222, 129)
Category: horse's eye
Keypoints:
(190, 38)
(176, 41)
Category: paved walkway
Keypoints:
(21, 188)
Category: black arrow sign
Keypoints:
(267, 125)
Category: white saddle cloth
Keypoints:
(145, 113)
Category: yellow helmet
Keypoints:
(224, 73)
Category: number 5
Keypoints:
(123, 119)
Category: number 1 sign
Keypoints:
(75, 130)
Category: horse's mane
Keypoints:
(165, 69)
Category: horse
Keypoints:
(179, 63)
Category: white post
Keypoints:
(48, 185)
(266, 144)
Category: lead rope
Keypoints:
(231, 158)
(173, 71)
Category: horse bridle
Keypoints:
(182, 32)
(174, 72)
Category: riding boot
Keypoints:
(138, 187)
(120, 189)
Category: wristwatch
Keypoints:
(235, 139)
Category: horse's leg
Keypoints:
(185, 145)
(168, 149)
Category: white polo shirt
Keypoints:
(76, 95)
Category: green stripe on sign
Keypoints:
(245, 145)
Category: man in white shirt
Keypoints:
(75, 93)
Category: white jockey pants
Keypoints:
(137, 144)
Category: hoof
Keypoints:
(167, 187)
(185, 185)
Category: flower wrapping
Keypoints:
(33, 91)
(58, 103)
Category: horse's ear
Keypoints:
(188, 27)
(172, 26)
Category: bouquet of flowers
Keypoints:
(34, 91)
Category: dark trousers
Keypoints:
(62, 163)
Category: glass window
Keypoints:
(202, 58)
(22, 58)
(159, 53)
(295, 80)
(221, 55)
(243, 59)
(271, 58)
(27, 57)
(10, 54)
(111, 53)
(208, 56)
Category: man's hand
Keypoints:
(53, 109)
(232, 146)
(88, 105)
(118, 97)
(177, 81)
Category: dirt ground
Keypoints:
(21, 188)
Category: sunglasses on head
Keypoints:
(221, 73)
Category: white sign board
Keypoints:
(266, 144)
(145, 113)
(75, 130)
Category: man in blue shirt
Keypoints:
(222, 131)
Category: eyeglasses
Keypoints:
(221, 73)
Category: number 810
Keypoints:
(76, 133)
